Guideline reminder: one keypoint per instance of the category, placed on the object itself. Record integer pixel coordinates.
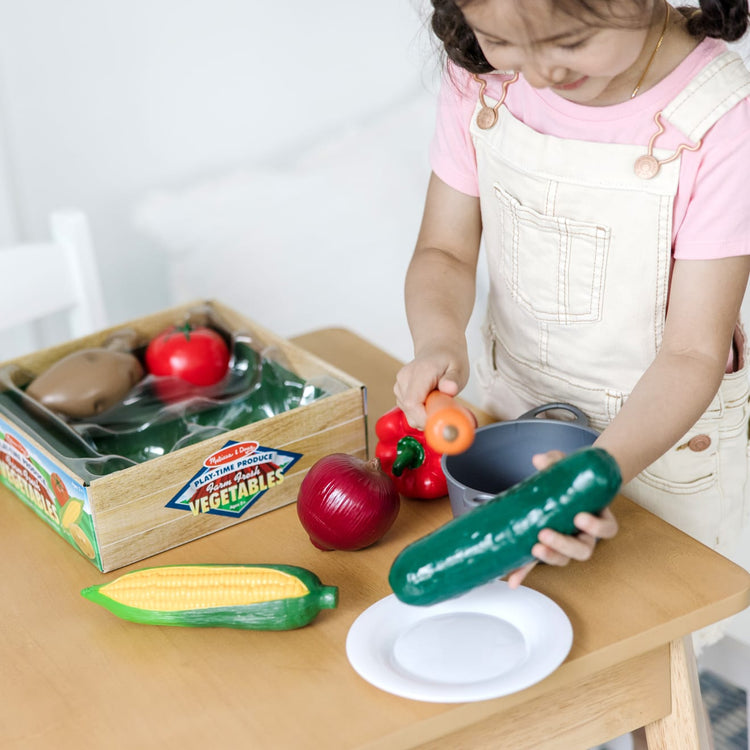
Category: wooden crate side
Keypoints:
(133, 520)
(282, 430)
(113, 503)
(150, 527)
(139, 541)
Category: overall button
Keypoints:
(699, 443)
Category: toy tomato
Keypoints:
(198, 356)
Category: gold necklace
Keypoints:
(653, 54)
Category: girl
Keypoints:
(600, 149)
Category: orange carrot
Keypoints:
(450, 427)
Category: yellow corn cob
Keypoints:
(71, 513)
(180, 587)
(269, 597)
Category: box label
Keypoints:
(49, 491)
(233, 478)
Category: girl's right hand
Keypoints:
(439, 368)
(559, 549)
(554, 548)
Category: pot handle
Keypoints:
(477, 500)
(579, 417)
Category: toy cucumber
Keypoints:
(496, 538)
(255, 597)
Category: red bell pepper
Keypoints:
(405, 455)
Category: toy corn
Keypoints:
(254, 597)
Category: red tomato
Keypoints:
(199, 355)
(59, 488)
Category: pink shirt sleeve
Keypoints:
(713, 217)
(452, 155)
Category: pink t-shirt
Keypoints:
(712, 206)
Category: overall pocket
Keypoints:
(700, 484)
(554, 266)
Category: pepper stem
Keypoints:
(409, 455)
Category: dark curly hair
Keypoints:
(721, 19)
(726, 20)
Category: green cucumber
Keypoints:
(496, 538)
(254, 597)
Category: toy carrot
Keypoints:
(450, 427)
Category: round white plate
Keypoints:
(492, 641)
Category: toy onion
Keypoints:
(347, 503)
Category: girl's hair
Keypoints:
(721, 19)
(727, 19)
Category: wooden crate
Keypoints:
(133, 513)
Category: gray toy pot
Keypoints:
(501, 453)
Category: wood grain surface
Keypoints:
(75, 676)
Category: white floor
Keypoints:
(620, 743)
(730, 659)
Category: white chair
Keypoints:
(44, 284)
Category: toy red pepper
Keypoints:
(405, 455)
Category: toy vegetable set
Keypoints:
(142, 437)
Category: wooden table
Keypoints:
(75, 676)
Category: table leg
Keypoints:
(687, 726)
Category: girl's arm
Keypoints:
(440, 290)
(704, 304)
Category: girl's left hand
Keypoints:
(554, 548)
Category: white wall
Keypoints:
(100, 101)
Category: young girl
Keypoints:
(600, 150)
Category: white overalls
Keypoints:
(579, 254)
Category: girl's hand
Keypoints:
(554, 548)
(543, 460)
(439, 369)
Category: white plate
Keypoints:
(492, 641)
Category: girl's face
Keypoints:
(581, 58)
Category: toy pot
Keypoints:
(501, 453)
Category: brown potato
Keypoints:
(86, 382)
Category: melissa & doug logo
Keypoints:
(234, 478)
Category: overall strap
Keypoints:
(723, 83)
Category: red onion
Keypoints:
(346, 503)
